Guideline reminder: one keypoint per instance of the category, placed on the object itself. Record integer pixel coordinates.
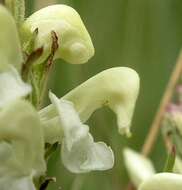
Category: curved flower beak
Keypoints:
(10, 48)
(167, 181)
(75, 45)
(116, 88)
(139, 167)
(22, 146)
(79, 152)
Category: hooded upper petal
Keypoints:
(75, 45)
(116, 88)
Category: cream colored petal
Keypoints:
(116, 88)
(178, 165)
(86, 156)
(11, 85)
(139, 167)
(23, 183)
(75, 45)
(69, 121)
(22, 143)
(79, 152)
(163, 181)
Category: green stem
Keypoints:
(17, 8)
(30, 4)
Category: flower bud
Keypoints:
(139, 167)
(75, 45)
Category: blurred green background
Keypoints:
(145, 35)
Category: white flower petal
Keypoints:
(162, 181)
(23, 183)
(11, 85)
(100, 157)
(139, 167)
(86, 156)
(73, 129)
(23, 152)
(79, 152)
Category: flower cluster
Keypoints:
(144, 176)
(141, 170)
(28, 48)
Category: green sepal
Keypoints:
(170, 161)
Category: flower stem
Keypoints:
(154, 129)
(17, 8)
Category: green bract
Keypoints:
(75, 45)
